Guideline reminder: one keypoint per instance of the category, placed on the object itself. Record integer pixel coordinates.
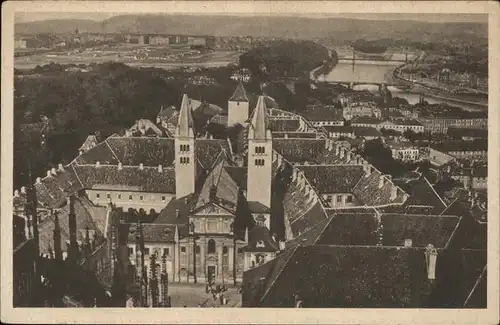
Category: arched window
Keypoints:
(224, 250)
(211, 246)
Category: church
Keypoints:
(216, 206)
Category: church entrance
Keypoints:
(211, 273)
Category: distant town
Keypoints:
(179, 170)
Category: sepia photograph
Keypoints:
(244, 159)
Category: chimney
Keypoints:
(449, 169)
(160, 169)
(405, 197)
(394, 192)
(286, 135)
(337, 149)
(327, 143)
(61, 167)
(431, 259)
(381, 181)
(281, 245)
(120, 166)
(38, 180)
(177, 215)
(97, 163)
(53, 171)
(348, 156)
(342, 152)
(23, 190)
(408, 242)
(330, 145)
(16, 193)
(49, 173)
(141, 166)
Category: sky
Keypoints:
(98, 16)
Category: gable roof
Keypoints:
(333, 178)
(240, 94)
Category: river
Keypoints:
(370, 71)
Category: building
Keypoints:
(238, 106)
(441, 124)
(361, 109)
(158, 40)
(439, 158)
(365, 254)
(400, 125)
(472, 150)
(367, 133)
(323, 115)
(467, 134)
(339, 131)
(404, 151)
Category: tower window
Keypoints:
(260, 150)
(108, 196)
(259, 162)
(98, 195)
(183, 249)
(119, 196)
(184, 160)
(184, 147)
(130, 197)
(224, 250)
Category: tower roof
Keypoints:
(185, 118)
(259, 120)
(239, 95)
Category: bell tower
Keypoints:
(237, 106)
(260, 146)
(185, 166)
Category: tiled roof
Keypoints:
(300, 150)
(339, 129)
(101, 152)
(238, 174)
(239, 95)
(207, 151)
(365, 120)
(422, 194)
(148, 180)
(295, 135)
(333, 178)
(156, 233)
(181, 205)
(459, 145)
(257, 207)
(148, 151)
(358, 276)
(226, 188)
(53, 190)
(368, 192)
(258, 236)
(83, 219)
(365, 131)
(283, 125)
(323, 113)
(467, 132)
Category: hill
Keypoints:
(285, 58)
(343, 29)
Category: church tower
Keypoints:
(185, 166)
(237, 106)
(260, 148)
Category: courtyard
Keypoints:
(193, 295)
